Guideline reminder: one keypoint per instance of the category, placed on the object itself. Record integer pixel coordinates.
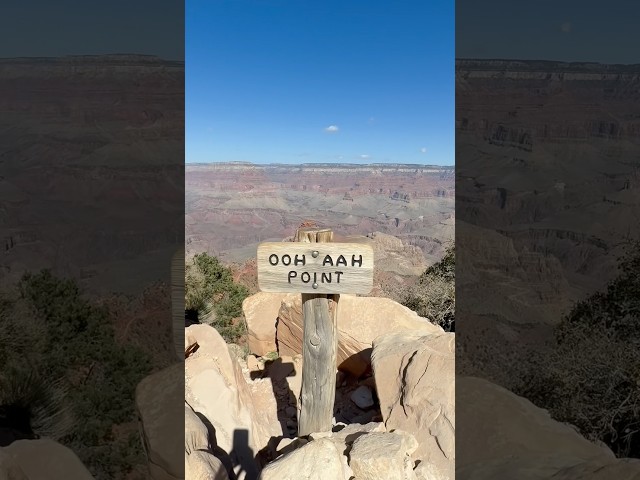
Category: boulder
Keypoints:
(623, 469)
(350, 433)
(9, 469)
(288, 445)
(203, 465)
(506, 436)
(200, 461)
(159, 402)
(252, 363)
(196, 435)
(534, 467)
(43, 459)
(261, 312)
(360, 321)
(243, 415)
(318, 460)
(415, 381)
(383, 456)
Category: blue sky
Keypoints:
(43, 28)
(569, 31)
(296, 81)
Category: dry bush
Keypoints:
(434, 296)
(591, 377)
(435, 300)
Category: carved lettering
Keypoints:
(335, 270)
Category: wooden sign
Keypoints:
(323, 268)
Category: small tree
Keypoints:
(434, 296)
(591, 376)
(211, 291)
(65, 373)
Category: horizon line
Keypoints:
(182, 60)
(542, 60)
(240, 162)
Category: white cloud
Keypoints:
(566, 27)
(364, 156)
(332, 129)
(423, 150)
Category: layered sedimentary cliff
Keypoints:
(231, 207)
(91, 163)
(548, 181)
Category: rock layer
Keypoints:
(159, 399)
(216, 389)
(360, 321)
(414, 374)
(42, 459)
(317, 460)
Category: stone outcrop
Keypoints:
(159, 400)
(506, 433)
(414, 374)
(40, 459)
(361, 452)
(9, 469)
(217, 390)
(360, 321)
(624, 469)
(261, 312)
(318, 460)
(350, 199)
(506, 436)
(392, 255)
(383, 456)
(200, 463)
(204, 466)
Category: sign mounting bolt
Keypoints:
(315, 285)
(315, 254)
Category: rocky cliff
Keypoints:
(91, 163)
(233, 206)
(548, 182)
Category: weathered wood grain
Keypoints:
(319, 353)
(313, 235)
(177, 301)
(319, 360)
(337, 268)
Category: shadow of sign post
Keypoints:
(320, 271)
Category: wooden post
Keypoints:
(177, 301)
(320, 271)
(319, 350)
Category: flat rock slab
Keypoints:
(383, 456)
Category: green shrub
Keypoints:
(591, 376)
(211, 291)
(62, 363)
(434, 296)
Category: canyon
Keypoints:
(231, 207)
(92, 174)
(548, 196)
